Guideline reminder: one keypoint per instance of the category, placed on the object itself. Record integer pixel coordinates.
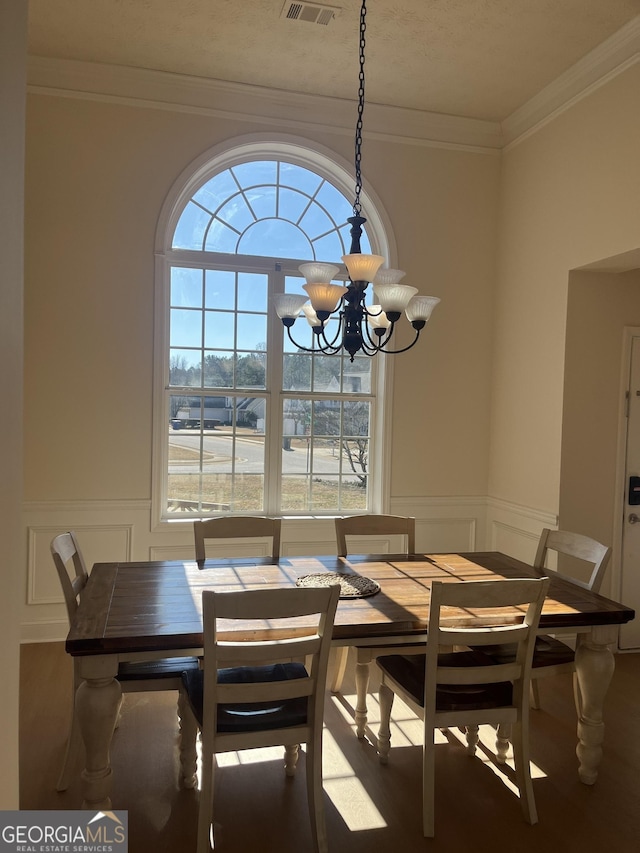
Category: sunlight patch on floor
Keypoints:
(346, 791)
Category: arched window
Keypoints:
(250, 422)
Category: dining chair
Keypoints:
(258, 693)
(375, 525)
(134, 676)
(467, 688)
(368, 526)
(237, 527)
(550, 655)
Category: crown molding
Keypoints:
(239, 101)
(617, 53)
(256, 104)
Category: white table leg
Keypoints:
(363, 659)
(97, 705)
(594, 671)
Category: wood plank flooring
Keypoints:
(369, 807)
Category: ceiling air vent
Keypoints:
(314, 13)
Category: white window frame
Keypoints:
(330, 166)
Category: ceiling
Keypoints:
(474, 58)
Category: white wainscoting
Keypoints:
(121, 530)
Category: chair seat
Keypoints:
(547, 652)
(152, 669)
(410, 673)
(256, 716)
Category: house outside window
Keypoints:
(247, 420)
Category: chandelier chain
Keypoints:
(357, 207)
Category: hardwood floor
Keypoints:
(369, 807)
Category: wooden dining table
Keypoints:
(141, 610)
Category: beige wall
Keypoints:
(569, 196)
(97, 174)
(599, 307)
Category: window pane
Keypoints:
(221, 238)
(218, 370)
(220, 289)
(263, 202)
(251, 371)
(186, 328)
(236, 213)
(252, 291)
(191, 228)
(296, 369)
(275, 238)
(299, 178)
(212, 194)
(357, 375)
(252, 331)
(334, 202)
(292, 204)
(256, 172)
(185, 367)
(186, 287)
(219, 330)
(316, 222)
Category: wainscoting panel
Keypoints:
(515, 530)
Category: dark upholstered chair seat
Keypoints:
(547, 652)
(151, 669)
(409, 671)
(257, 716)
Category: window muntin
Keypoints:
(255, 424)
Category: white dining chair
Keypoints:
(134, 676)
(551, 656)
(467, 688)
(238, 527)
(258, 693)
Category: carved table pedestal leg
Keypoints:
(594, 671)
(97, 705)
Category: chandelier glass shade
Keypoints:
(361, 329)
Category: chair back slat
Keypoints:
(67, 559)
(519, 599)
(237, 527)
(579, 547)
(375, 525)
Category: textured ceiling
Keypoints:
(474, 58)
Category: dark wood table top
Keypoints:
(156, 606)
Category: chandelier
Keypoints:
(360, 329)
